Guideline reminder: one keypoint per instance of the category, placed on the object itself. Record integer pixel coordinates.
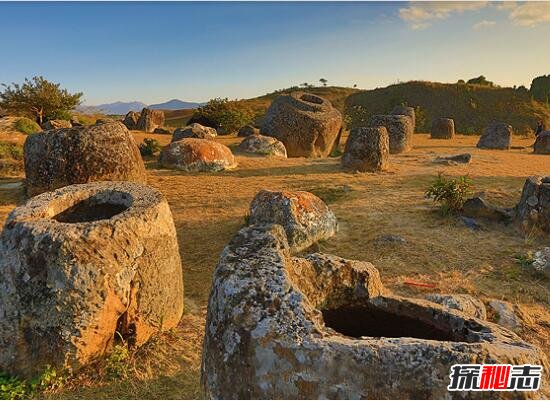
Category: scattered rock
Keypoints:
(306, 124)
(78, 265)
(56, 158)
(191, 154)
(305, 217)
(162, 131)
(496, 136)
(471, 223)
(443, 128)
(56, 124)
(479, 207)
(150, 119)
(504, 314)
(194, 130)
(400, 131)
(248, 130)
(367, 149)
(533, 208)
(542, 143)
(541, 261)
(262, 145)
(131, 120)
(75, 122)
(405, 111)
(467, 304)
(463, 158)
(389, 239)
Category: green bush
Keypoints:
(27, 126)
(225, 115)
(14, 388)
(149, 147)
(451, 193)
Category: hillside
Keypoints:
(471, 106)
(174, 104)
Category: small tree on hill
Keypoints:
(39, 99)
(481, 80)
(323, 81)
(540, 88)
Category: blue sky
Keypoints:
(153, 52)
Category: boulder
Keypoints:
(533, 208)
(405, 111)
(367, 149)
(443, 128)
(82, 266)
(150, 119)
(467, 304)
(478, 207)
(248, 130)
(323, 327)
(191, 154)
(262, 145)
(194, 130)
(400, 131)
(162, 131)
(496, 136)
(305, 217)
(463, 158)
(56, 124)
(306, 124)
(504, 314)
(56, 158)
(542, 143)
(541, 261)
(75, 122)
(131, 120)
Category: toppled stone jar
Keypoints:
(81, 263)
(324, 327)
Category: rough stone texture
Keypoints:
(56, 124)
(305, 218)
(194, 130)
(465, 303)
(542, 143)
(275, 326)
(367, 149)
(262, 145)
(541, 261)
(72, 273)
(191, 154)
(389, 239)
(400, 131)
(150, 119)
(443, 128)
(131, 119)
(534, 205)
(478, 207)
(471, 223)
(162, 131)
(504, 313)
(56, 158)
(463, 158)
(496, 136)
(248, 130)
(405, 111)
(307, 124)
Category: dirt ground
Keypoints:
(209, 208)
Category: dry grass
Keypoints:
(208, 209)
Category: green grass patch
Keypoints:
(27, 126)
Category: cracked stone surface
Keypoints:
(400, 130)
(192, 154)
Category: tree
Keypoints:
(355, 85)
(481, 80)
(540, 88)
(223, 114)
(323, 81)
(305, 85)
(39, 99)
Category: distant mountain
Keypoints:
(122, 108)
(175, 104)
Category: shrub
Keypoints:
(451, 193)
(149, 147)
(225, 115)
(27, 126)
(14, 388)
(117, 362)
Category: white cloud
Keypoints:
(483, 24)
(505, 5)
(420, 15)
(530, 14)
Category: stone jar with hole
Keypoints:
(83, 267)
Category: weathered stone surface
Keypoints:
(305, 218)
(541, 261)
(131, 119)
(533, 208)
(56, 158)
(150, 119)
(75, 122)
(283, 327)
(542, 144)
(162, 131)
(389, 239)
(262, 145)
(463, 158)
(248, 130)
(443, 128)
(504, 313)
(367, 149)
(405, 111)
(400, 131)
(194, 130)
(465, 303)
(80, 263)
(191, 154)
(306, 124)
(479, 207)
(471, 223)
(496, 136)
(56, 124)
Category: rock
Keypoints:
(191, 154)
(56, 124)
(504, 314)
(323, 327)
(479, 208)
(262, 145)
(56, 158)
(101, 121)
(541, 261)
(471, 223)
(306, 124)
(150, 119)
(194, 130)
(75, 122)
(463, 158)
(467, 304)
(405, 111)
(131, 120)
(496, 136)
(389, 239)
(542, 143)
(367, 149)
(162, 131)
(400, 131)
(443, 128)
(533, 208)
(78, 265)
(305, 217)
(248, 130)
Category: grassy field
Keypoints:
(209, 208)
